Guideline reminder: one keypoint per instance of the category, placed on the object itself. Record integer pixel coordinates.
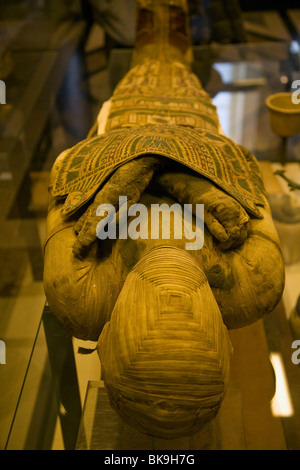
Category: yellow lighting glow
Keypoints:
(281, 404)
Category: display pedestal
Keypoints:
(102, 429)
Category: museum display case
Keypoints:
(59, 68)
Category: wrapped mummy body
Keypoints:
(160, 314)
(165, 352)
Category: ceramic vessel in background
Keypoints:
(284, 114)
